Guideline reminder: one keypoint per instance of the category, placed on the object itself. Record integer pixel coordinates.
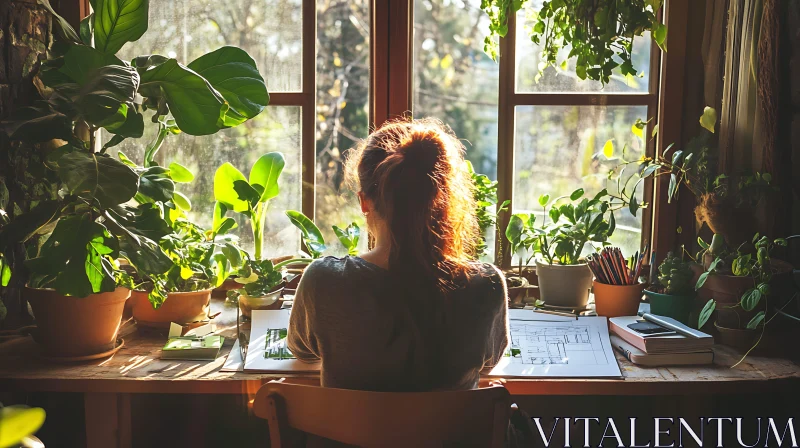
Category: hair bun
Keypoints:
(422, 150)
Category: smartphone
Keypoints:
(650, 329)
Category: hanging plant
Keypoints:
(598, 33)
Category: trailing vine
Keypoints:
(598, 33)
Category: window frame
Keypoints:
(510, 99)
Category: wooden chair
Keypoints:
(476, 417)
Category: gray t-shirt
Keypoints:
(371, 335)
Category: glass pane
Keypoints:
(275, 129)
(558, 149)
(342, 111)
(269, 30)
(557, 79)
(455, 81)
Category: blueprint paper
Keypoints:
(572, 348)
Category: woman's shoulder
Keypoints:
(330, 267)
(488, 278)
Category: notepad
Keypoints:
(196, 345)
(192, 348)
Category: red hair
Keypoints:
(414, 173)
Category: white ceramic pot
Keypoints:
(564, 285)
(269, 301)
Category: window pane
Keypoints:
(342, 110)
(269, 30)
(559, 149)
(556, 79)
(275, 129)
(455, 81)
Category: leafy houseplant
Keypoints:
(485, 199)
(598, 33)
(739, 285)
(83, 88)
(575, 221)
(725, 203)
(248, 197)
(673, 294)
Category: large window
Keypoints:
(534, 132)
(309, 118)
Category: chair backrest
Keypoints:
(477, 417)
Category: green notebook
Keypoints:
(192, 348)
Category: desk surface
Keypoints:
(136, 368)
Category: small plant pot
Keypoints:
(742, 340)
(617, 300)
(677, 307)
(517, 291)
(564, 285)
(74, 326)
(180, 307)
(270, 301)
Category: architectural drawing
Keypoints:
(553, 346)
(533, 343)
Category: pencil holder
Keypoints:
(617, 300)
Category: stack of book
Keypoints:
(665, 348)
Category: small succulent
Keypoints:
(675, 275)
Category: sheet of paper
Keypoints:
(572, 348)
(233, 363)
(267, 351)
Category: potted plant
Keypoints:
(725, 203)
(673, 294)
(564, 276)
(740, 288)
(485, 198)
(599, 33)
(182, 294)
(520, 233)
(76, 286)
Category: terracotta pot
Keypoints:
(180, 307)
(742, 340)
(677, 307)
(73, 326)
(269, 301)
(617, 300)
(564, 285)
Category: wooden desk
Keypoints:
(136, 369)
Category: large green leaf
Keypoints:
(64, 30)
(198, 109)
(312, 236)
(28, 224)
(74, 257)
(224, 191)
(266, 172)
(154, 182)
(107, 94)
(81, 61)
(349, 237)
(234, 74)
(108, 180)
(117, 22)
(516, 226)
(144, 220)
(38, 123)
